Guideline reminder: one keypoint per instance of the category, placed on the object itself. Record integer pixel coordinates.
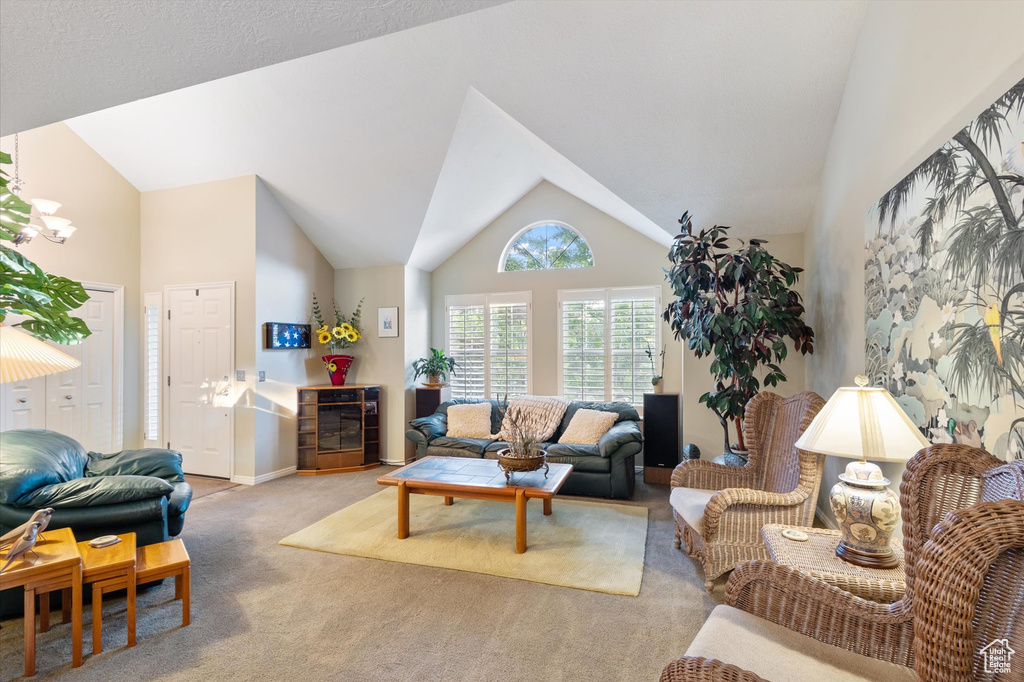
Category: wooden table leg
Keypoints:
(76, 616)
(547, 506)
(186, 596)
(30, 632)
(448, 501)
(65, 605)
(97, 618)
(44, 612)
(403, 511)
(520, 521)
(130, 579)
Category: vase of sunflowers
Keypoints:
(344, 333)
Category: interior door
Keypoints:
(200, 339)
(23, 405)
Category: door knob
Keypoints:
(22, 400)
(67, 397)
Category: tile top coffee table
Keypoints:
(477, 479)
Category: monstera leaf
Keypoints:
(46, 300)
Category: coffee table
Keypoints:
(475, 479)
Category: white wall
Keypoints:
(921, 71)
(56, 164)
(289, 269)
(417, 337)
(207, 233)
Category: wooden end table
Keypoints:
(109, 568)
(56, 565)
(476, 479)
(166, 560)
(817, 557)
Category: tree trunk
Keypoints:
(739, 433)
(990, 176)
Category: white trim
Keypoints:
(164, 360)
(826, 519)
(540, 223)
(486, 300)
(153, 298)
(117, 380)
(263, 478)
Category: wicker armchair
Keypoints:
(967, 580)
(719, 510)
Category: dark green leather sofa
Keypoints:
(602, 470)
(140, 491)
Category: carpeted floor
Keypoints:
(205, 485)
(261, 611)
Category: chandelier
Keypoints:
(54, 228)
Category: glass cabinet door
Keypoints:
(341, 427)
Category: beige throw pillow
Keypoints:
(469, 421)
(587, 426)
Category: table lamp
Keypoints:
(23, 356)
(864, 423)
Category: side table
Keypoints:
(817, 557)
(56, 565)
(109, 568)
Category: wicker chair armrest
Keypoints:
(697, 669)
(700, 473)
(812, 607)
(747, 501)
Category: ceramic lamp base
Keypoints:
(868, 513)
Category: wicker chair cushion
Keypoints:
(690, 503)
(777, 653)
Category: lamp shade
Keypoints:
(45, 206)
(23, 356)
(861, 422)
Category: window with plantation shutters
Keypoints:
(151, 368)
(489, 337)
(603, 336)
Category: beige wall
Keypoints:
(207, 233)
(56, 164)
(379, 361)
(908, 92)
(289, 268)
(417, 337)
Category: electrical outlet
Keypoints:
(263, 375)
(239, 375)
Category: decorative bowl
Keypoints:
(511, 464)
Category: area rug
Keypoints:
(585, 545)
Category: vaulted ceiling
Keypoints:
(400, 148)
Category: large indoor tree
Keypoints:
(44, 300)
(734, 302)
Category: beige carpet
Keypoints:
(586, 545)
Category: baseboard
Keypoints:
(263, 478)
(826, 519)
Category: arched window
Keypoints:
(545, 246)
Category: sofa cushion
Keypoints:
(34, 458)
(624, 410)
(473, 445)
(570, 454)
(537, 416)
(470, 421)
(587, 427)
(777, 653)
(495, 412)
(690, 503)
(97, 491)
(165, 464)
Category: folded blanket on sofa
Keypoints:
(539, 416)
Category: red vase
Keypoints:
(337, 367)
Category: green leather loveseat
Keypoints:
(140, 491)
(602, 470)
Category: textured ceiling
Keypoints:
(643, 109)
(64, 58)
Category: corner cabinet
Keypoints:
(339, 429)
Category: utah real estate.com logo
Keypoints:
(997, 656)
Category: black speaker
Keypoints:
(661, 436)
(427, 400)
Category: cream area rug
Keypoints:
(587, 545)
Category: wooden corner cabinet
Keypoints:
(339, 429)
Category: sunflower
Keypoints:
(322, 329)
(338, 333)
(346, 328)
(351, 337)
(324, 336)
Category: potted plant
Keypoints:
(436, 368)
(735, 303)
(344, 333)
(523, 452)
(656, 378)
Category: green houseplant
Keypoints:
(436, 367)
(736, 304)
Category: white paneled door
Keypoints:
(200, 390)
(84, 402)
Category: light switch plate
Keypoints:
(239, 375)
(263, 375)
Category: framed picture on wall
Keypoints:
(285, 335)
(387, 322)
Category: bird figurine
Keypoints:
(41, 516)
(22, 546)
(992, 321)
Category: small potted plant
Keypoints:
(523, 452)
(436, 368)
(656, 379)
(344, 333)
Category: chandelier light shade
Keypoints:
(45, 206)
(56, 230)
(23, 357)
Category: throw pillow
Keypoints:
(538, 416)
(587, 427)
(469, 421)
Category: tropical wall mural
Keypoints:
(944, 278)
